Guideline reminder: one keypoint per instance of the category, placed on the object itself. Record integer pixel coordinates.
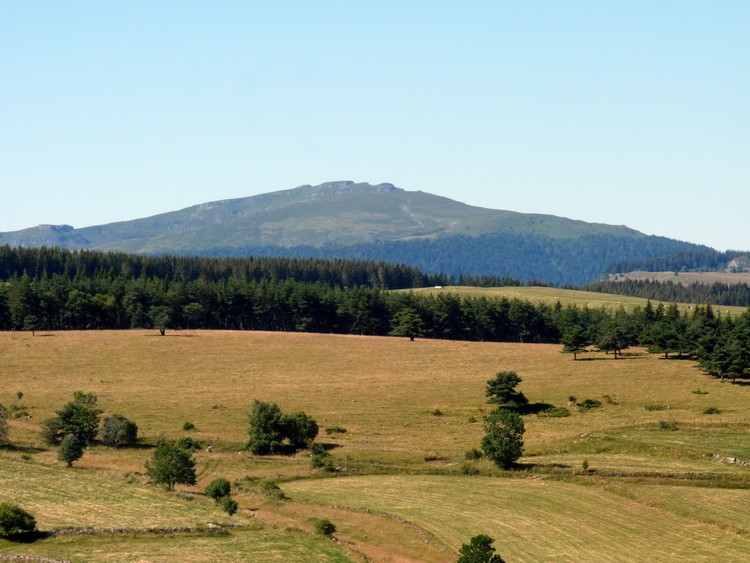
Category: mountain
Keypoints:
(382, 222)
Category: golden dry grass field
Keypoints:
(411, 410)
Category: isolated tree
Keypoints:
(3, 426)
(171, 465)
(218, 488)
(503, 440)
(119, 431)
(479, 550)
(14, 520)
(79, 417)
(574, 341)
(300, 429)
(71, 449)
(502, 390)
(407, 322)
(31, 323)
(266, 428)
(161, 317)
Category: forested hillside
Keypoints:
(733, 295)
(692, 260)
(55, 289)
(558, 261)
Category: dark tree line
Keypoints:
(695, 260)
(736, 295)
(574, 260)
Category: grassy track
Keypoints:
(387, 393)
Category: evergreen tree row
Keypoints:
(525, 257)
(700, 260)
(733, 295)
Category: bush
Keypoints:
(266, 429)
(188, 444)
(229, 505)
(331, 430)
(479, 550)
(667, 425)
(271, 490)
(699, 392)
(325, 527)
(170, 465)
(187, 425)
(468, 469)
(119, 431)
(588, 404)
(71, 449)
(711, 410)
(503, 441)
(555, 412)
(269, 428)
(300, 429)
(473, 453)
(502, 390)
(79, 417)
(654, 407)
(14, 520)
(322, 461)
(218, 488)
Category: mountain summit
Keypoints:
(341, 213)
(345, 219)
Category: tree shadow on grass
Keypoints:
(532, 408)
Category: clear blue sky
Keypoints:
(621, 112)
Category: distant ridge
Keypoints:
(361, 220)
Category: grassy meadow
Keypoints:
(404, 490)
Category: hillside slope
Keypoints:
(382, 222)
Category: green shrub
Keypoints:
(655, 407)
(300, 429)
(588, 404)
(119, 431)
(473, 453)
(472, 419)
(503, 440)
(436, 412)
(325, 527)
(170, 465)
(218, 488)
(271, 490)
(711, 410)
(331, 430)
(667, 425)
(479, 550)
(188, 444)
(699, 392)
(14, 520)
(555, 412)
(187, 425)
(71, 449)
(79, 417)
(468, 469)
(229, 505)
